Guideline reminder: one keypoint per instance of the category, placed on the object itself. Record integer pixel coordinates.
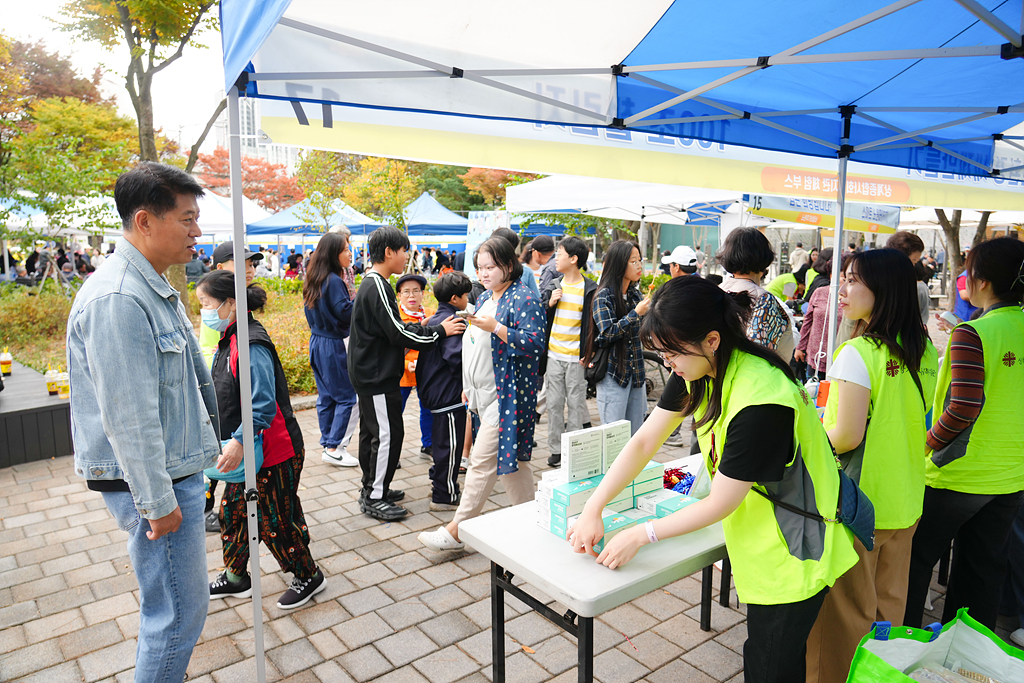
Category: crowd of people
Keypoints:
(936, 449)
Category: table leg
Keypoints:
(498, 625)
(723, 594)
(585, 641)
(707, 577)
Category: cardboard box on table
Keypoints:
(663, 502)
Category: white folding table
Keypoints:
(516, 546)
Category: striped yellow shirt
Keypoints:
(564, 344)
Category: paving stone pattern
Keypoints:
(393, 611)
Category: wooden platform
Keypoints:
(33, 424)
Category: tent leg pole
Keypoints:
(837, 260)
(245, 380)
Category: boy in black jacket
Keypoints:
(439, 384)
(376, 359)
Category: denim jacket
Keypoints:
(143, 406)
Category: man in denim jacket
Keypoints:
(143, 411)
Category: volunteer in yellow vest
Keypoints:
(975, 467)
(759, 432)
(788, 285)
(224, 259)
(883, 382)
(209, 338)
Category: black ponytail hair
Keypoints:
(220, 286)
(1001, 263)
(683, 311)
(896, 315)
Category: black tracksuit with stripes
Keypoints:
(376, 359)
(439, 385)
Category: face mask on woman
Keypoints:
(212, 319)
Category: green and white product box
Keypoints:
(621, 505)
(638, 516)
(653, 470)
(570, 498)
(648, 486)
(555, 476)
(582, 453)
(613, 525)
(663, 502)
(616, 435)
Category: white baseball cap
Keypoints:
(681, 255)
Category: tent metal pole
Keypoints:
(837, 241)
(245, 380)
(993, 21)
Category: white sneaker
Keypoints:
(440, 540)
(1018, 637)
(340, 457)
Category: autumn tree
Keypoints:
(265, 183)
(153, 34)
(490, 183)
(383, 187)
(47, 74)
(12, 110)
(322, 176)
(446, 185)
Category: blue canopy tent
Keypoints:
(606, 90)
(426, 216)
(292, 221)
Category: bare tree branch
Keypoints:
(193, 154)
(979, 232)
(184, 41)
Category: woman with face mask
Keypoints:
(278, 449)
(760, 436)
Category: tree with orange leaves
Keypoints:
(265, 183)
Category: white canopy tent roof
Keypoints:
(925, 217)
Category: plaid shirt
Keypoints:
(611, 330)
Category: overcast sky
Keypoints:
(184, 94)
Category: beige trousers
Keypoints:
(874, 589)
(482, 474)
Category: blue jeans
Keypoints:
(621, 403)
(336, 399)
(174, 593)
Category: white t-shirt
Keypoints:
(478, 369)
(850, 367)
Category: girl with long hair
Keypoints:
(278, 439)
(762, 443)
(974, 471)
(328, 306)
(500, 363)
(618, 310)
(882, 387)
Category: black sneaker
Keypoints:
(427, 453)
(384, 510)
(300, 592)
(212, 522)
(394, 495)
(223, 587)
(555, 460)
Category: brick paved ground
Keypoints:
(393, 611)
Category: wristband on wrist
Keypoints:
(649, 528)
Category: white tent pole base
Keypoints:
(245, 380)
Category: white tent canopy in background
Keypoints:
(925, 217)
(614, 199)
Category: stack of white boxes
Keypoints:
(587, 455)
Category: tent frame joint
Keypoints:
(1011, 51)
(847, 110)
(617, 123)
(457, 72)
(242, 82)
(762, 62)
(994, 172)
(617, 69)
(845, 151)
(997, 136)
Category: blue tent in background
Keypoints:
(291, 222)
(426, 217)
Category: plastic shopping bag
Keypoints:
(893, 655)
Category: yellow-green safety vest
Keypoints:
(208, 339)
(809, 277)
(777, 556)
(987, 457)
(888, 464)
(778, 285)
